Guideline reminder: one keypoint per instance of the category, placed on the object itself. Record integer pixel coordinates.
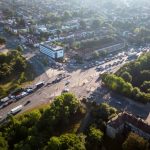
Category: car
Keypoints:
(65, 90)
(118, 102)
(23, 94)
(10, 101)
(53, 82)
(99, 68)
(115, 63)
(1, 106)
(27, 102)
(39, 85)
(107, 59)
(101, 62)
(48, 84)
(12, 97)
(24, 47)
(85, 67)
(56, 80)
(29, 90)
(139, 116)
(91, 97)
(92, 64)
(17, 97)
(67, 82)
(107, 66)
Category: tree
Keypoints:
(62, 109)
(66, 141)
(2, 40)
(103, 53)
(117, 84)
(96, 54)
(126, 76)
(104, 112)
(54, 144)
(22, 22)
(3, 143)
(96, 24)
(145, 86)
(66, 15)
(33, 130)
(19, 48)
(136, 93)
(83, 24)
(20, 64)
(58, 32)
(135, 142)
(95, 138)
(145, 75)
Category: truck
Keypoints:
(16, 109)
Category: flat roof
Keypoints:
(52, 47)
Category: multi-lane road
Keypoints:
(80, 81)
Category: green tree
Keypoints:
(2, 40)
(145, 86)
(66, 15)
(72, 141)
(19, 48)
(58, 32)
(103, 53)
(127, 77)
(54, 144)
(96, 54)
(3, 143)
(104, 112)
(83, 24)
(95, 138)
(96, 24)
(62, 109)
(67, 141)
(135, 142)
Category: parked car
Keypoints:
(23, 94)
(29, 90)
(39, 85)
(19, 96)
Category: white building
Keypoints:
(52, 51)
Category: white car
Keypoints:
(23, 94)
(118, 102)
(85, 67)
(29, 90)
(65, 90)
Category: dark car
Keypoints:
(28, 102)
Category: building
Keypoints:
(53, 51)
(128, 122)
(113, 48)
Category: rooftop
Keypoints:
(129, 118)
(51, 46)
